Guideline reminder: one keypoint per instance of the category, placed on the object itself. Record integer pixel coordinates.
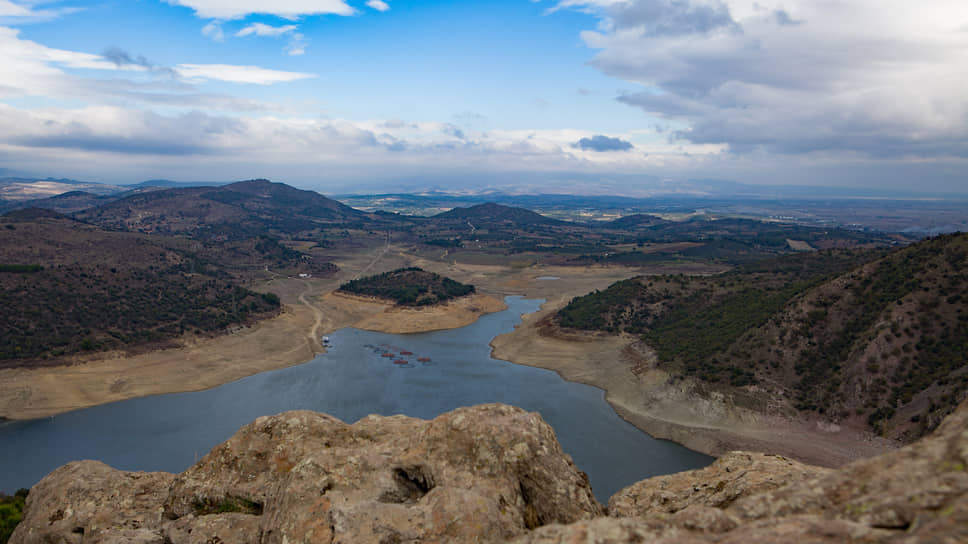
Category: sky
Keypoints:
(555, 96)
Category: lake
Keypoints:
(170, 432)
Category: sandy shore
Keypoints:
(396, 320)
(672, 409)
(625, 369)
(311, 310)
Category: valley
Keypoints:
(677, 320)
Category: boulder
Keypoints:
(734, 475)
(480, 474)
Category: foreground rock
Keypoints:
(916, 494)
(480, 474)
(489, 474)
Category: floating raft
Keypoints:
(423, 359)
(406, 353)
(400, 362)
(387, 355)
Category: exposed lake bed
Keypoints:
(352, 380)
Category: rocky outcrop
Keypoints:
(734, 475)
(490, 474)
(918, 493)
(480, 474)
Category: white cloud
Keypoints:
(882, 78)
(26, 11)
(239, 74)
(297, 45)
(214, 31)
(260, 29)
(378, 5)
(9, 9)
(289, 9)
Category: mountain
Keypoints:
(635, 221)
(239, 210)
(69, 202)
(858, 338)
(20, 189)
(169, 184)
(490, 215)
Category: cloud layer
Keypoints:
(883, 78)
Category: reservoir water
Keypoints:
(352, 380)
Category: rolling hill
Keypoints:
(69, 288)
(860, 338)
(408, 287)
(491, 215)
(236, 211)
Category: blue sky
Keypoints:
(609, 96)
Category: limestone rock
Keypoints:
(480, 474)
(918, 493)
(734, 475)
(88, 501)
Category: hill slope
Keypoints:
(408, 287)
(490, 215)
(882, 345)
(238, 210)
(68, 288)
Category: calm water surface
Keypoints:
(352, 380)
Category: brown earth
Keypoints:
(646, 397)
(201, 363)
(675, 408)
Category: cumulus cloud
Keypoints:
(378, 5)
(239, 74)
(876, 77)
(602, 143)
(260, 29)
(288, 9)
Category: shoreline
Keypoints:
(624, 370)
(670, 409)
(290, 339)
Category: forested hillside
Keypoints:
(860, 337)
(408, 287)
(70, 288)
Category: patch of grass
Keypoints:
(11, 513)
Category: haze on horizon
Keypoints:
(585, 96)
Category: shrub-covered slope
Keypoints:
(881, 344)
(68, 288)
(408, 287)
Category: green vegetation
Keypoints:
(875, 336)
(66, 310)
(11, 512)
(20, 268)
(408, 287)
